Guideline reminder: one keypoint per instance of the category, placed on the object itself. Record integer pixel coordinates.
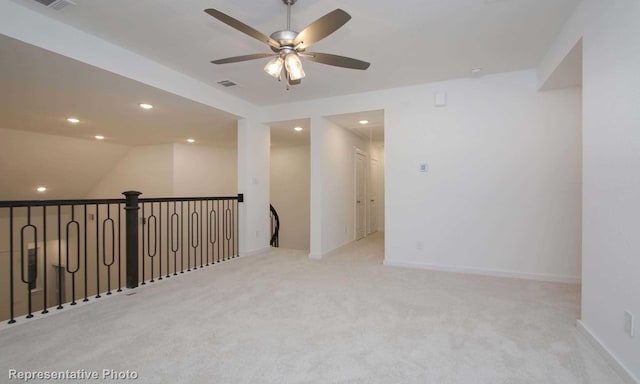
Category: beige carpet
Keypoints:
(281, 318)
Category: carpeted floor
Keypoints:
(282, 318)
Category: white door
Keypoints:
(360, 196)
(373, 197)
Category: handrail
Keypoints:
(98, 246)
(275, 231)
(49, 203)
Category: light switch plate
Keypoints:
(440, 99)
(628, 324)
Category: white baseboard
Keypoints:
(485, 272)
(255, 252)
(617, 366)
(315, 256)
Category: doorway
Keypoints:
(361, 182)
(372, 213)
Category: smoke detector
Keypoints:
(56, 4)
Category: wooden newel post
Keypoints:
(131, 210)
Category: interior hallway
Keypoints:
(282, 318)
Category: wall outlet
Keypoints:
(629, 327)
(419, 245)
(257, 234)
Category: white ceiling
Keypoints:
(407, 42)
(40, 89)
(373, 130)
(284, 135)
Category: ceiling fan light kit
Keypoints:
(274, 67)
(293, 64)
(290, 46)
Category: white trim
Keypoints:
(485, 272)
(315, 256)
(358, 151)
(255, 252)
(624, 373)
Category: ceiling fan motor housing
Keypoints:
(285, 38)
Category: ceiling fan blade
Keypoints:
(242, 27)
(237, 59)
(321, 28)
(335, 60)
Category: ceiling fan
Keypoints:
(289, 46)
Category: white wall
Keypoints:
(147, 169)
(290, 189)
(68, 167)
(502, 195)
(254, 143)
(172, 170)
(333, 193)
(610, 34)
(376, 152)
(200, 170)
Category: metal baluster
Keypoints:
(104, 246)
(169, 223)
(238, 201)
(211, 238)
(159, 232)
(175, 233)
(218, 229)
(200, 217)
(73, 272)
(154, 220)
(28, 280)
(119, 248)
(98, 250)
(59, 260)
(11, 304)
(207, 229)
(44, 267)
(233, 228)
(86, 264)
(182, 237)
(144, 223)
(188, 236)
(227, 228)
(194, 218)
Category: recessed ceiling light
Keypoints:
(298, 129)
(41, 189)
(99, 137)
(146, 106)
(73, 120)
(191, 141)
(364, 122)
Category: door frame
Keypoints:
(358, 151)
